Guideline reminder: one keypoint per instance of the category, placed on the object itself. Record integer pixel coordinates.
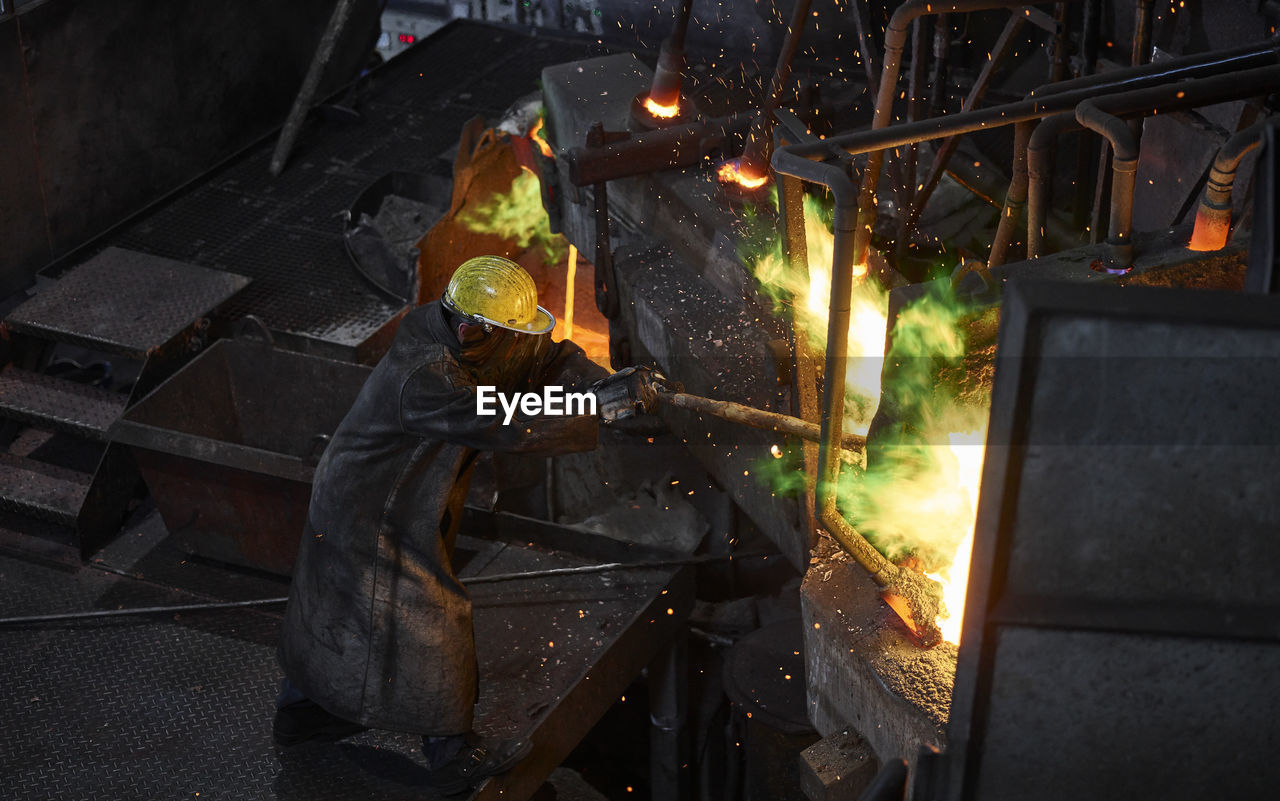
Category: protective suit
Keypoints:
(378, 630)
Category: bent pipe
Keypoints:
(1138, 102)
(1193, 66)
(1213, 217)
(1124, 173)
(1039, 160)
(1104, 115)
(895, 40)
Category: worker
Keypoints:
(378, 630)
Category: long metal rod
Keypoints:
(1141, 33)
(909, 156)
(310, 85)
(468, 581)
(755, 156)
(1040, 104)
(758, 418)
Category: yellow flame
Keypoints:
(658, 110)
(969, 449)
(923, 503)
(536, 137)
(570, 278)
(730, 172)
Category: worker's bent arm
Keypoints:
(438, 400)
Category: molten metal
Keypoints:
(661, 111)
(731, 172)
(535, 136)
(1213, 225)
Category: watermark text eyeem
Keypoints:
(553, 401)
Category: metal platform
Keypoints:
(162, 298)
(175, 705)
(39, 399)
(286, 233)
(44, 491)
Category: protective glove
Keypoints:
(630, 391)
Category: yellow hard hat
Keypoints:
(497, 291)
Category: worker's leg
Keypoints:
(299, 719)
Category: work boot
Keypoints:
(305, 720)
(475, 762)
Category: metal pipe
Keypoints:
(755, 156)
(1090, 34)
(1196, 65)
(668, 73)
(1015, 200)
(1105, 114)
(1124, 172)
(866, 50)
(1141, 32)
(757, 418)
(1213, 217)
(1038, 106)
(895, 41)
(669, 773)
(938, 75)
(1061, 42)
(1039, 160)
(651, 151)
(909, 156)
(1040, 154)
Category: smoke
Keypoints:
(804, 294)
(518, 215)
(916, 495)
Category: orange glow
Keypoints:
(535, 136)
(571, 278)
(969, 450)
(1212, 229)
(899, 604)
(729, 172)
(658, 110)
